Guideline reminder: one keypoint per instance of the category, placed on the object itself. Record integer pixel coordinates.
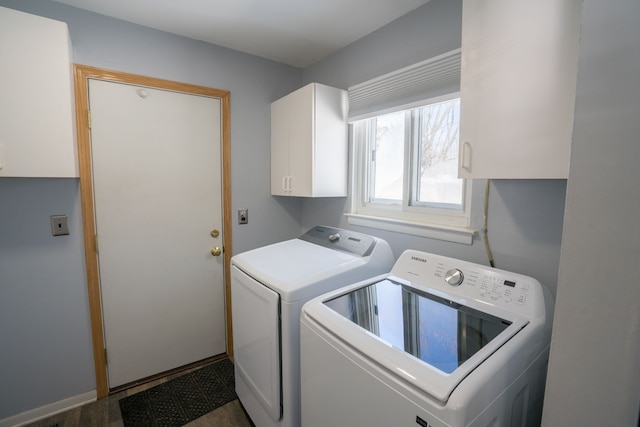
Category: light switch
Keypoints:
(59, 225)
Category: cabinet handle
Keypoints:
(286, 183)
(466, 156)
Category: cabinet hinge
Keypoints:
(89, 118)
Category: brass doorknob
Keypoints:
(216, 251)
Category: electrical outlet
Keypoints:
(59, 225)
(243, 216)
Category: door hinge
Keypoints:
(97, 244)
(89, 118)
(106, 358)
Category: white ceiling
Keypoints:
(294, 32)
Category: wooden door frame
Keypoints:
(82, 74)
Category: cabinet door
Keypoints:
(330, 152)
(302, 141)
(519, 65)
(36, 111)
(279, 148)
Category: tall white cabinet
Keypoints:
(518, 86)
(37, 130)
(309, 143)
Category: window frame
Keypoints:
(429, 221)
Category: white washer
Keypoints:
(435, 342)
(269, 286)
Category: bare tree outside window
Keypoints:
(440, 133)
(438, 154)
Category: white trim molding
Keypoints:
(447, 233)
(45, 411)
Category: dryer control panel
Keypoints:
(343, 240)
(510, 291)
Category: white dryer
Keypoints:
(436, 342)
(269, 286)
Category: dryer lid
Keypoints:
(297, 269)
(321, 260)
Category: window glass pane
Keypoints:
(437, 179)
(389, 157)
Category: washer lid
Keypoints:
(428, 340)
(293, 266)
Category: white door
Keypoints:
(158, 195)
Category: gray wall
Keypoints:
(525, 216)
(45, 341)
(45, 333)
(43, 308)
(594, 367)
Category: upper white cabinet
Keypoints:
(309, 143)
(518, 86)
(36, 106)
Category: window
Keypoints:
(406, 166)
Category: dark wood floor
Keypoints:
(106, 412)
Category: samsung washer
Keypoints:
(436, 342)
(269, 286)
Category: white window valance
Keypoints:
(433, 77)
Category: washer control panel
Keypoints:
(491, 287)
(511, 291)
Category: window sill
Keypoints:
(432, 231)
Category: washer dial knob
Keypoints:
(454, 277)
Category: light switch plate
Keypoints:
(59, 225)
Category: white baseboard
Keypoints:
(36, 414)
